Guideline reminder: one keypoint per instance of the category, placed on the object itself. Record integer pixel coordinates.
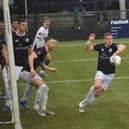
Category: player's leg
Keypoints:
(47, 61)
(26, 93)
(8, 102)
(94, 92)
(41, 96)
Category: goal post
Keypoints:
(8, 34)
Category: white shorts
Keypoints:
(26, 76)
(107, 79)
(18, 70)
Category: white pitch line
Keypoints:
(78, 60)
(75, 81)
(81, 80)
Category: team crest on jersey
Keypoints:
(110, 50)
(16, 41)
(40, 33)
(102, 50)
(27, 39)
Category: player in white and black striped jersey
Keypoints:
(39, 40)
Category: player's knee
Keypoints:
(97, 86)
(98, 92)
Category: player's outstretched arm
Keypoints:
(121, 48)
(51, 69)
(89, 46)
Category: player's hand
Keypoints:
(92, 37)
(52, 69)
(33, 73)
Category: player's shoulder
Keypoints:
(40, 50)
(99, 44)
(41, 29)
(115, 44)
(14, 33)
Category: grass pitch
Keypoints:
(75, 72)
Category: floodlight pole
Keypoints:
(122, 4)
(26, 13)
(8, 34)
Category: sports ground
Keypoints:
(75, 73)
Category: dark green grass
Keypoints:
(110, 111)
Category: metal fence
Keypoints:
(75, 26)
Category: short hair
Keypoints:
(107, 34)
(49, 38)
(14, 19)
(45, 19)
(19, 21)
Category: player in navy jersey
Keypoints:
(22, 47)
(105, 70)
(29, 75)
(39, 41)
(4, 67)
(22, 44)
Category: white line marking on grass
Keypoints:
(72, 61)
(81, 80)
(79, 60)
(75, 81)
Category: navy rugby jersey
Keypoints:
(105, 52)
(41, 54)
(21, 45)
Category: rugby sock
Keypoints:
(27, 91)
(90, 97)
(39, 94)
(7, 86)
(44, 98)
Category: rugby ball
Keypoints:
(115, 60)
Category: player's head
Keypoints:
(22, 25)
(51, 43)
(14, 25)
(46, 22)
(2, 28)
(108, 39)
